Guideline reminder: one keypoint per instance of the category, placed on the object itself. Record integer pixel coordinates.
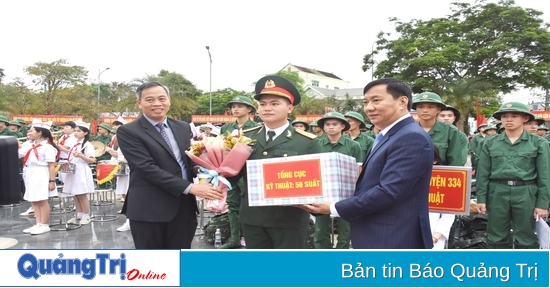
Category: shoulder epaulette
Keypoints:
(306, 134)
(252, 129)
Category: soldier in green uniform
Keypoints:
(104, 136)
(4, 130)
(15, 126)
(449, 115)
(300, 124)
(542, 130)
(513, 181)
(334, 124)
(474, 145)
(316, 129)
(241, 107)
(533, 125)
(450, 141)
(276, 227)
(356, 122)
(24, 128)
(490, 131)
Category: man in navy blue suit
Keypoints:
(390, 207)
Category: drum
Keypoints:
(123, 169)
(66, 167)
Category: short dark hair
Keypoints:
(150, 84)
(118, 123)
(70, 123)
(395, 87)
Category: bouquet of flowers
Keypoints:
(220, 157)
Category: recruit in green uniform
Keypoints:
(104, 136)
(276, 227)
(334, 124)
(4, 130)
(512, 180)
(356, 122)
(451, 142)
(241, 108)
(15, 126)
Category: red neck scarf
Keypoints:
(29, 153)
(71, 152)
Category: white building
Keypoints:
(340, 94)
(316, 78)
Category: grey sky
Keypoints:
(247, 39)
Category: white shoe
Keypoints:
(29, 230)
(72, 221)
(43, 228)
(125, 227)
(29, 212)
(85, 220)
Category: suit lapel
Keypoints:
(154, 133)
(386, 137)
(180, 137)
(260, 137)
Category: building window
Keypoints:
(336, 88)
(288, 69)
(314, 83)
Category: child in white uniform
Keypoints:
(39, 173)
(81, 182)
(440, 223)
(122, 183)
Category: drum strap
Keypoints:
(71, 152)
(29, 153)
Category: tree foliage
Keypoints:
(482, 48)
(219, 101)
(54, 76)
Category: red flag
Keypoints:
(93, 127)
(480, 118)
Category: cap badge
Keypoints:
(508, 105)
(269, 84)
(237, 98)
(424, 96)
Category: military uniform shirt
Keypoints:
(229, 127)
(452, 144)
(526, 159)
(7, 132)
(344, 146)
(365, 142)
(370, 134)
(105, 140)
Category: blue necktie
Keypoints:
(164, 135)
(377, 140)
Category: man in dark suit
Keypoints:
(390, 207)
(276, 227)
(161, 202)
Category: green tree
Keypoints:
(16, 97)
(2, 75)
(54, 76)
(219, 101)
(497, 46)
(183, 93)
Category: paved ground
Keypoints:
(96, 235)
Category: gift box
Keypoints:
(301, 179)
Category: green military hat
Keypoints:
(491, 127)
(14, 122)
(4, 119)
(481, 126)
(428, 97)
(106, 127)
(277, 86)
(300, 121)
(313, 124)
(542, 127)
(334, 115)
(513, 107)
(455, 111)
(242, 100)
(540, 120)
(358, 117)
(21, 120)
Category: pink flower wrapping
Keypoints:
(226, 159)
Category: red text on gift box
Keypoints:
(292, 179)
(449, 191)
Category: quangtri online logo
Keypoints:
(29, 266)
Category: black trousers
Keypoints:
(175, 234)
